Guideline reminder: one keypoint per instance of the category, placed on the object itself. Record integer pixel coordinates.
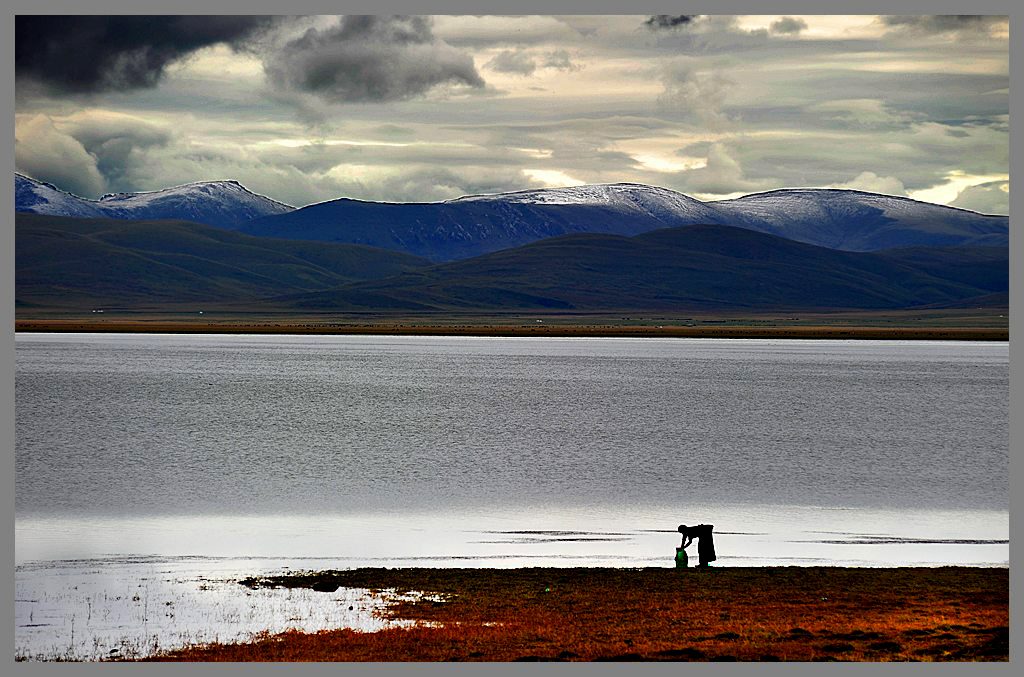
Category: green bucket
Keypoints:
(682, 559)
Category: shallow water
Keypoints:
(131, 607)
(251, 453)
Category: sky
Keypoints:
(305, 109)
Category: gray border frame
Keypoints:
(7, 479)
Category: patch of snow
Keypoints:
(223, 203)
(634, 198)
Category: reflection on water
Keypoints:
(164, 467)
(134, 607)
(133, 425)
(744, 536)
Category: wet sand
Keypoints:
(715, 614)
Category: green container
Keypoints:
(682, 559)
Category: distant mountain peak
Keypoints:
(592, 193)
(852, 193)
(225, 203)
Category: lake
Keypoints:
(221, 455)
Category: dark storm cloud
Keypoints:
(370, 58)
(82, 54)
(89, 152)
(944, 23)
(668, 21)
(120, 145)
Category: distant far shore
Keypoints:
(655, 614)
(862, 327)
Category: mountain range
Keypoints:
(469, 226)
(592, 248)
(226, 204)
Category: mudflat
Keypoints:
(656, 614)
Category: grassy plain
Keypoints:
(598, 614)
(938, 324)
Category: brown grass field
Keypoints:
(865, 326)
(657, 614)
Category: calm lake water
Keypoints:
(245, 453)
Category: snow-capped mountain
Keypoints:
(479, 224)
(854, 220)
(226, 204)
(634, 197)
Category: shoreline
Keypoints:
(651, 614)
(321, 327)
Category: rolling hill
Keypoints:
(93, 263)
(688, 268)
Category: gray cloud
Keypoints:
(440, 183)
(523, 62)
(723, 175)
(920, 156)
(560, 59)
(47, 154)
(89, 152)
(696, 94)
(787, 25)
(370, 59)
(987, 198)
(510, 61)
(944, 23)
(873, 109)
(491, 31)
(120, 145)
(661, 21)
(82, 54)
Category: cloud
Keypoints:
(119, 143)
(723, 175)
(560, 60)
(436, 183)
(662, 21)
(84, 54)
(492, 30)
(695, 93)
(48, 154)
(509, 61)
(873, 183)
(370, 59)
(861, 113)
(787, 25)
(946, 24)
(986, 198)
(521, 62)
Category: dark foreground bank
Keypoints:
(718, 614)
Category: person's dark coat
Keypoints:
(706, 543)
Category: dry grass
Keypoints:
(754, 614)
(823, 331)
